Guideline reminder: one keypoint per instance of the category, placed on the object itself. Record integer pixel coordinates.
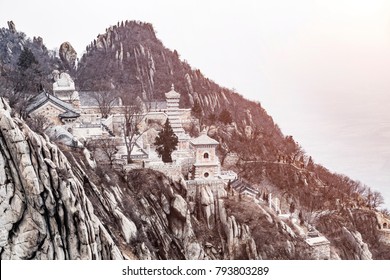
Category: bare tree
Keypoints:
(105, 100)
(224, 151)
(108, 148)
(374, 198)
(377, 199)
(133, 114)
(38, 123)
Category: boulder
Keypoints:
(356, 243)
(179, 207)
(11, 26)
(44, 215)
(68, 55)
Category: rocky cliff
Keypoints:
(129, 57)
(45, 212)
(56, 206)
(12, 43)
(57, 203)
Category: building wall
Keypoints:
(169, 169)
(69, 96)
(173, 103)
(157, 116)
(384, 236)
(49, 111)
(183, 145)
(96, 110)
(200, 152)
(201, 171)
(90, 118)
(208, 165)
(87, 132)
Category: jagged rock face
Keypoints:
(353, 240)
(53, 210)
(68, 55)
(12, 44)
(130, 56)
(39, 42)
(57, 207)
(181, 229)
(11, 26)
(45, 212)
(354, 235)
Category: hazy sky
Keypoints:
(320, 68)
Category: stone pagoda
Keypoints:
(173, 112)
(173, 98)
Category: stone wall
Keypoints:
(206, 172)
(169, 169)
(49, 111)
(157, 116)
(320, 247)
(384, 236)
(216, 186)
(92, 131)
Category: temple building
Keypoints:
(207, 165)
(53, 108)
(173, 99)
(62, 107)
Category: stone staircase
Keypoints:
(108, 130)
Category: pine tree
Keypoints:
(197, 112)
(166, 142)
(225, 117)
(310, 164)
(26, 59)
(292, 208)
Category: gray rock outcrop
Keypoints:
(45, 212)
(353, 240)
(68, 55)
(11, 26)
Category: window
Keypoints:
(206, 155)
(206, 175)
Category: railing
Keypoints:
(89, 125)
(108, 129)
(205, 182)
(108, 122)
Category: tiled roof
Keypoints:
(203, 139)
(45, 97)
(172, 93)
(69, 114)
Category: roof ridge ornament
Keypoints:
(172, 87)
